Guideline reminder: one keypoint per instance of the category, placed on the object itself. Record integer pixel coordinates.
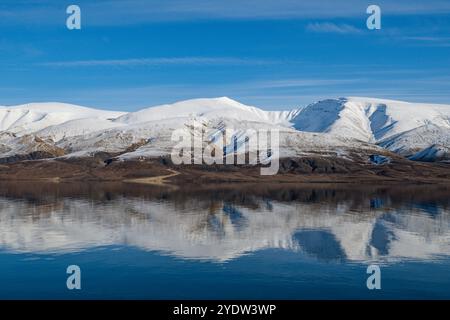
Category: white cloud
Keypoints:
(140, 62)
(294, 83)
(132, 12)
(329, 27)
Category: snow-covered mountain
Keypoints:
(33, 117)
(402, 127)
(210, 109)
(329, 127)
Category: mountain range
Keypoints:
(353, 128)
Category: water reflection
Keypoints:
(328, 223)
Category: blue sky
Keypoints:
(276, 54)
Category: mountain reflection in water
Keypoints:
(329, 223)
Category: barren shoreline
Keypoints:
(161, 172)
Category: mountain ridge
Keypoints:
(338, 125)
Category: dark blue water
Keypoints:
(283, 244)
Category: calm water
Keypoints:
(232, 242)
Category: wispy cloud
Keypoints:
(131, 12)
(19, 49)
(296, 83)
(273, 94)
(438, 41)
(330, 27)
(428, 38)
(162, 61)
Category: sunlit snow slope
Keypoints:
(399, 126)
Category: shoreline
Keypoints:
(157, 172)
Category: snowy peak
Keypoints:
(337, 116)
(29, 118)
(368, 119)
(409, 129)
(213, 108)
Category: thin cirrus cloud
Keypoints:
(162, 61)
(330, 27)
(296, 83)
(131, 12)
(438, 41)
